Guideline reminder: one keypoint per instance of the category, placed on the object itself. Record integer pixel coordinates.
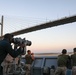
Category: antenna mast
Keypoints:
(1, 26)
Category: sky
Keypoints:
(19, 14)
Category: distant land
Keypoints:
(50, 54)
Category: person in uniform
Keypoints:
(6, 48)
(62, 62)
(29, 57)
(73, 58)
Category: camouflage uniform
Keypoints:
(28, 64)
(73, 58)
(62, 64)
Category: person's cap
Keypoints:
(64, 51)
(8, 35)
(28, 51)
(74, 49)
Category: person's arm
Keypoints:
(32, 56)
(12, 52)
(69, 62)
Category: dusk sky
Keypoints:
(20, 14)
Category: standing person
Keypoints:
(73, 58)
(6, 48)
(62, 63)
(29, 59)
